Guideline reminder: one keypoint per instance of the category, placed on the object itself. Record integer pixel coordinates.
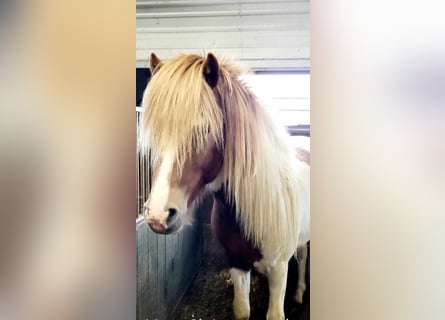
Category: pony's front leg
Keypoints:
(277, 277)
(302, 260)
(241, 287)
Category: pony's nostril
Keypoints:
(172, 212)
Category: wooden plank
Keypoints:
(171, 288)
(238, 40)
(152, 243)
(201, 24)
(226, 11)
(182, 257)
(248, 35)
(277, 53)
(174, 3)
(143, 271)
(211, 9)
(161, 278)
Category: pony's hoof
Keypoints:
(241, 311)
(299, 297)
(275, 316)
(225, 274)
(243, 317)
(299, 294)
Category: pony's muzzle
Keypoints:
(164, 223)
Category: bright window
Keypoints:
(288, 97)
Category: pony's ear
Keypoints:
(155, 63)
(211, 70)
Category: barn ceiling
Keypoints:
(265, 35)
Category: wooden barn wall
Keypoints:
(265, 35)
(166, 265)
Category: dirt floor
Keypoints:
(210, 296)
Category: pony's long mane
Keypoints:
(260, 171)
(180, 111)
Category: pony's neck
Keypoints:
(257, 171)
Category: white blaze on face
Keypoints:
(161, 187)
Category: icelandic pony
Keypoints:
(207, 132)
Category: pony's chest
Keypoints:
(239, 251)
